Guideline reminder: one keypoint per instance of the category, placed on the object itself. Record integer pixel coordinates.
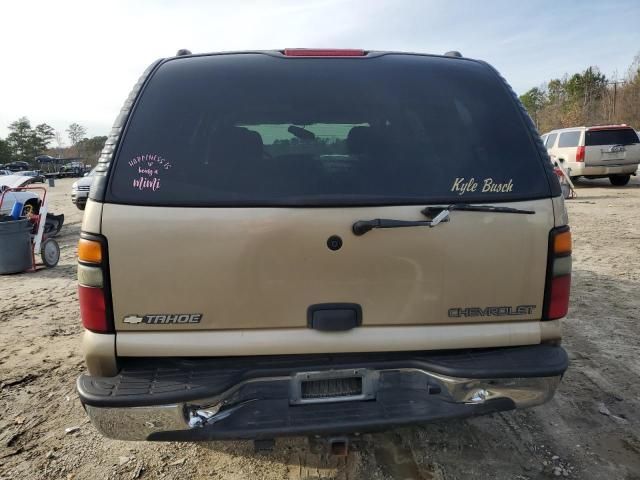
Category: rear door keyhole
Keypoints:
(334, 242)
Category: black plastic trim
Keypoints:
(271, 418)
(161, 381)
(334, 317)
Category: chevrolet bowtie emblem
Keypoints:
(132, 319)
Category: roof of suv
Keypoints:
(593, 127)
(323, 53)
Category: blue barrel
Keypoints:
(15, 245)
(16, 211)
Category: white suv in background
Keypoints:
(596, 152)
(80, 189)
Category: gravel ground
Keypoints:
(590, 430)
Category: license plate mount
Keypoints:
(333, 386)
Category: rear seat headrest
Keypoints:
(360, 140)
(368, 140)
(237, 142)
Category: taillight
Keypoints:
(326, 52)
(580, 154)
(93, 309)
(93, 294)
(557, 290)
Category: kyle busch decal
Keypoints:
(461, 185)
(164, 319)
(491, 311)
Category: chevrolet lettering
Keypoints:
(491, 311)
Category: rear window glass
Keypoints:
(569, 139)
(623, 136)
(551, 139)
(254, 129)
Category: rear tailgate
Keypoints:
(264, 267)
(231, 202)
(611, 146)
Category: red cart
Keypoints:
(40, 242)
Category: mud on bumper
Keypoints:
(264, 397)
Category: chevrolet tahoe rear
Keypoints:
(317, 242)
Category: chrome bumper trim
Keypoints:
(138, 423)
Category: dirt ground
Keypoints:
(591, 429)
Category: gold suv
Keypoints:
(319, 242)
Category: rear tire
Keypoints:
(81, 206)
(619, 180)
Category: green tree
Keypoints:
(22, 140)
(5, 151)
(556, 93)
(93, 144)
(583, 88)
(533, 100)
(90, 148)
(44, 134)
(76, 132)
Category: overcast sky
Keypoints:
(69, 61)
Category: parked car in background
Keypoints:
(80, 190)
(36, 176)
(601, 151)
(17, 166)
(72, 170)
(296, 260)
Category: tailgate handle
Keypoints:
(334, 317)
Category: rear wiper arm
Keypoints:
(363, 226)
(437, 215)
(430, 211)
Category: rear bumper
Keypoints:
(79, 197)
(604, 170)
(260, 397)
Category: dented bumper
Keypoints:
(192, 400)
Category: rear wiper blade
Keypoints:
(437, 215)
(363, 226)
(466, 207)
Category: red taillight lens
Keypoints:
(93, 309)
(319, 52)
(580, 154)
(559, 297)
(558, 286)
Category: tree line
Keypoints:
(24, 143)
(586, 98)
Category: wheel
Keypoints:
(50, 252)
(619, 180)
(81, 206)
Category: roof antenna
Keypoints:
(453, 53)
(182, 52)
